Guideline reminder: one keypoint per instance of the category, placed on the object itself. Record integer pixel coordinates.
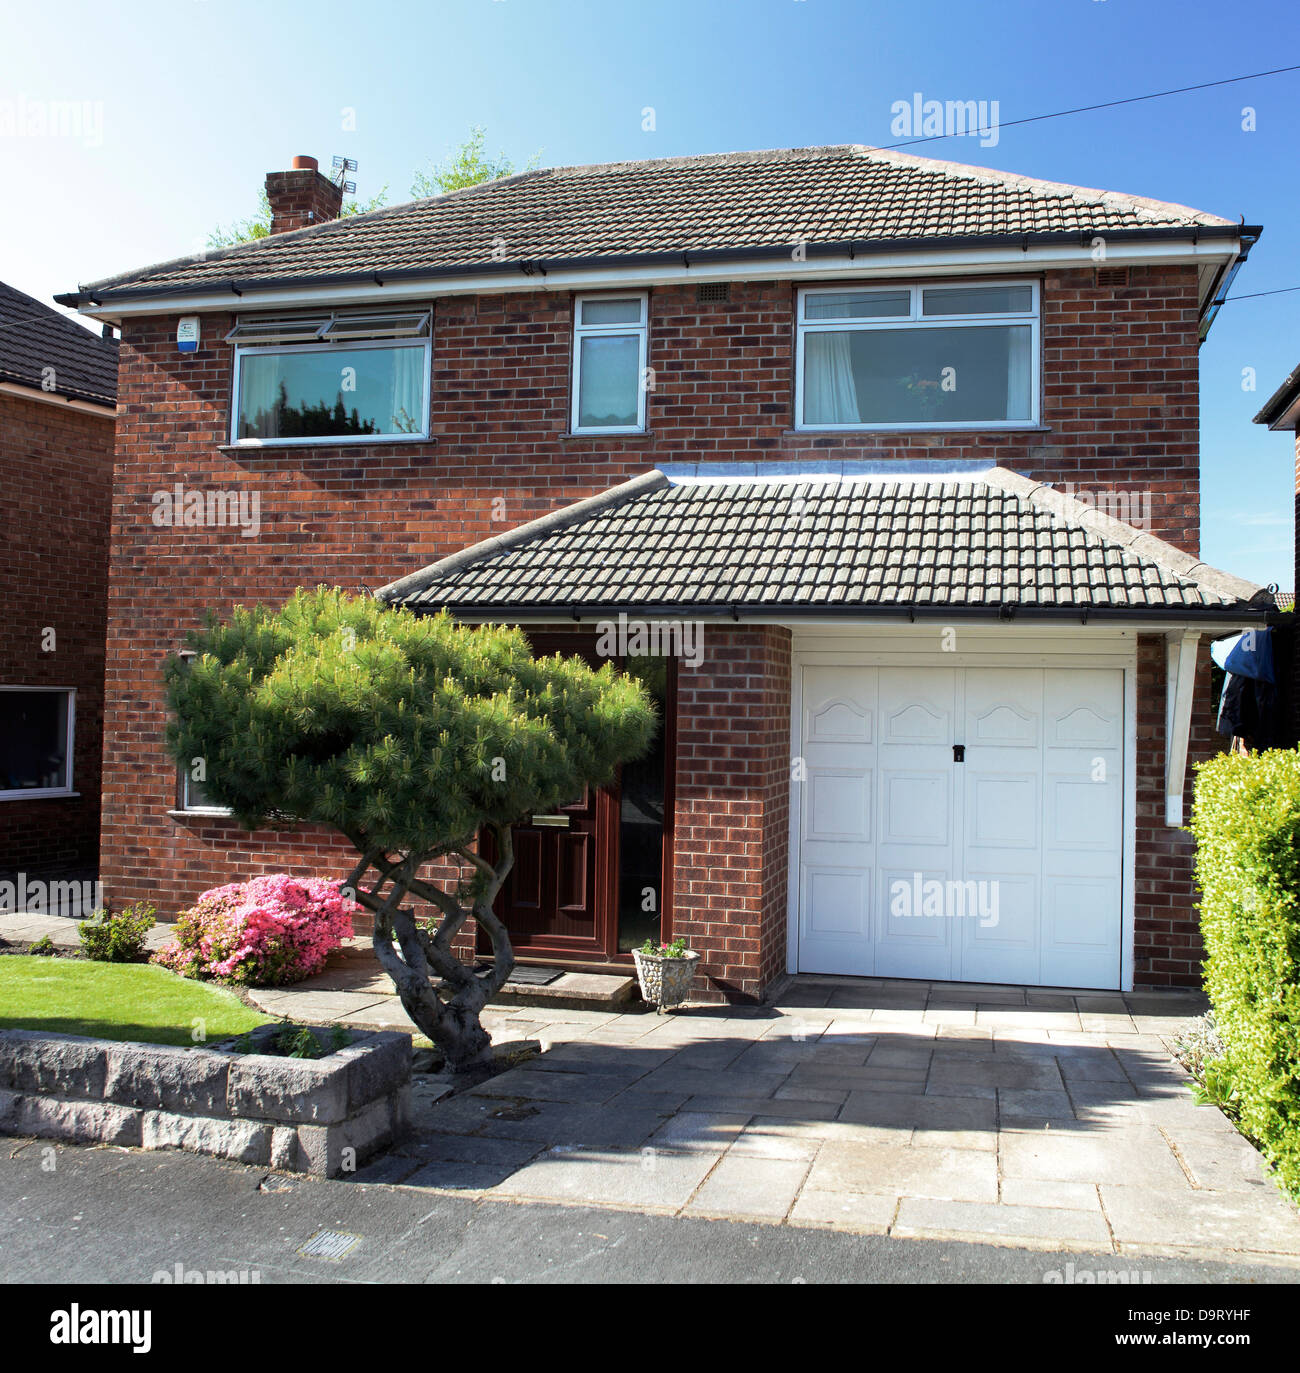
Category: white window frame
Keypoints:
(328, 440)
(36, 793)
(916, 320)
(183, 798)
(582, 331)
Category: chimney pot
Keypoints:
(304, 163)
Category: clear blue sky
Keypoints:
(199, 98)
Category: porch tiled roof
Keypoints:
(989, 540)
(718, 202)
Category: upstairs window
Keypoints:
(345, 377)
(609, 359)
(36, 729)
(918, 357)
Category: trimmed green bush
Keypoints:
(1246, 820)
(120, 938)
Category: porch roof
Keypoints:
(757, 539)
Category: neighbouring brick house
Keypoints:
(1281, 412)
(58, 387)
(854, 426)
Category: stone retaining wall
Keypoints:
(298, 1115)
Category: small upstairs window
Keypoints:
(342, 376)
(609, 359)
(918, 357)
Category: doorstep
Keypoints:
(575, 991)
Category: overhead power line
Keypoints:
(1105, 105)
(1254, 295)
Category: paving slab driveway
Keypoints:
(1038, 1118)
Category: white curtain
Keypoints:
(830, 395)
(1019, 372)
(408, 391)
(259, 384)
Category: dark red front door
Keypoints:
(551, 898)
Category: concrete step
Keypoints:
(354, 968)
(576, 991)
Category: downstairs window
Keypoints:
(36, 728)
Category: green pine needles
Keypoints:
(411, 735)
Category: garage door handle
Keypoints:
(959, 753)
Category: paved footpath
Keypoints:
(1039, 1118)
(121, 1216)
(1042, 1119)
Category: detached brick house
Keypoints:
(854, 426)
(58, 386)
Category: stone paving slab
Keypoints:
(26, 927)
(920, 1218)
(856, 1211)
(1262, 1222)
(743, 1187)
(904, 1170)
(659, 1181)
(1137, 1155)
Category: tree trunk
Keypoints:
(448, 1014)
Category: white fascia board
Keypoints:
(1180, 683)
(869, 266)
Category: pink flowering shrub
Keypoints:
(270, 930)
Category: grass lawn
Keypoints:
(115, 1001)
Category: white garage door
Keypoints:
(1002, 867)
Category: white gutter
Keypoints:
(869, 266)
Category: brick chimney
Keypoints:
(301, 197)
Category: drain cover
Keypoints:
(329, 1244)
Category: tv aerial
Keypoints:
(342, 166)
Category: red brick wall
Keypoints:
(1167, 943)
(57, 466)
(1120, 411)
(301, 198)
(732, 809)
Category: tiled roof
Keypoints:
(986, 541)
(34, 337)
(716, 203)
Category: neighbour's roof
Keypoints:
(726, 203)
(991, 541)
(34, 337)
(1282, 409)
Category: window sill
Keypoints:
(605, 436)
(200, 815)
(280, 446)
(955, 431)
(40, 794)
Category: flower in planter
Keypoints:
(677, 949)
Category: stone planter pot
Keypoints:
(665, 981)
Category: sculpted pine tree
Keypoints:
(413, 737)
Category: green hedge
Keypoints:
(1246, 820)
